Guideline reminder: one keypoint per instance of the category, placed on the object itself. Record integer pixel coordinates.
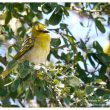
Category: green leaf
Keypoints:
(56, 17)
(3, 92)
(102, 58)
(70, 39)
(82, 45)
(9, 6)
(98, 47)
(63, 26)
(65, 11)
(90, 58)
(73, 81)
(40, 94)
(101, 18)
(18, 7)
(100, 92)
(1, 6)
(66, 57)
(56, 81)
(9, 33)
(34, 6)
(15, 85)
(7, 17)
(106, 96)
(55, 53)
(29, 95)
(99, 81)
(10, 50)
(94, 100)
(102, 72)
(55, 42)
(24, 69)
(39, 83)
(82, 74)
(1, 69)
(89, 89)
(67, 100)
(99, 25)
(78, 57)
(6, 102)
(67, 5)
(16, 14)
(47, 8)
(80, 93)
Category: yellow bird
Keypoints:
(34, 49)
(106, 50)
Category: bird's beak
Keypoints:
(44, 31)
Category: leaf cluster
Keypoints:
(77, 79)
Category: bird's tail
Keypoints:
(5, 73)
(8, 69)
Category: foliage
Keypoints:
(64, 83)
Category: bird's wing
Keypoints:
(27, 45)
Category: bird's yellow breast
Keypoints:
(39, 52)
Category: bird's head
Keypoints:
(38, 30)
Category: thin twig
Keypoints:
(78, 9)
(96, 30)
(21, 103)
(89, 30)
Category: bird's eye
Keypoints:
(43, 31)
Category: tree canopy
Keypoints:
(64, 83)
